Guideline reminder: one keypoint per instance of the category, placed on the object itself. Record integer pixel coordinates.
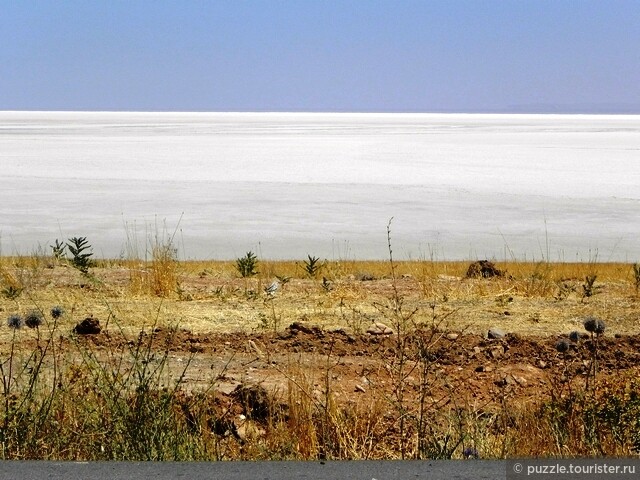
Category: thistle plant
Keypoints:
(11, 292)
(596, 328)
(312, 266)
(33, 319)
(78, 247)
(57, 312)
(575, 336)
(14, 321)
(588, 287)
(563, 347)
(58, 250)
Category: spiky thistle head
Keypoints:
(590, 324)
(594, 325)
(470, 452)
(57, 312)
(563, 345)
(575, 336)
(33, 319)
(14, 321)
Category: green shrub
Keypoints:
(78, 247)
(58, 250)
(247, 265)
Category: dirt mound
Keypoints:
(255, 400)
(484, 269)
(88, 326)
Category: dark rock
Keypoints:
(484, 369)
(305, 328)
(88, 326)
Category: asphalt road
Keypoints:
(357, 470)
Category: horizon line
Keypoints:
(339, 112)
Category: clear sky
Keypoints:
(315, 55)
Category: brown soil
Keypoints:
(477, 369)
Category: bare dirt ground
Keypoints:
(480, 370)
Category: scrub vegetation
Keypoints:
(345, 360)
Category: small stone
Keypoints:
(495, 333)
(484, 369)
(365, 277)
(246, 430)
(496, 353)
(452, 336)
(378, 328)
(359, 388)
(541, 364)
(520, 381)
(477, 350)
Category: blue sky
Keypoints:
(297, 55)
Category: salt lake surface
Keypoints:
(286, 185)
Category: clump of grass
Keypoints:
(164, 266)
(12, 288)
(589, 288)
(158, 273)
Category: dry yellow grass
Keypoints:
(209, 296)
